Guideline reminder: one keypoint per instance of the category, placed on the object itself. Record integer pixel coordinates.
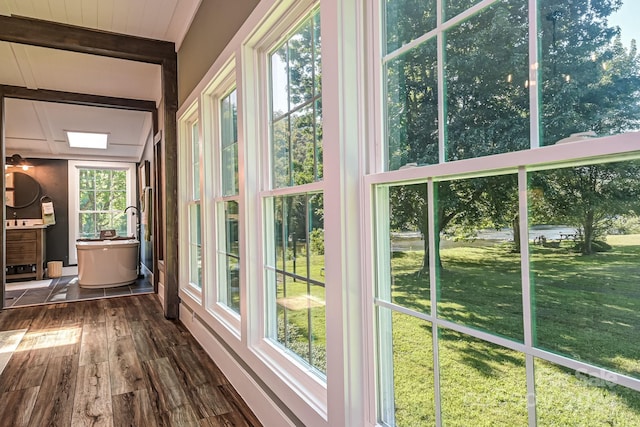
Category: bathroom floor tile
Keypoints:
(66, 289)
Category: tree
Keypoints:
(590, 197)
(588, 81)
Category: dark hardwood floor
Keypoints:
(112, 362)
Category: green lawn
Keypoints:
(586, 307)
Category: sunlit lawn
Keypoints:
(586, 307)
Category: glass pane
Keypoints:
(318, 141)
(87, 226)
(279, 82)
(87, 200)
(281, 162)
(103, 221)
(588, 72)
(475, 219)
(317, 55)
(407, 20)
(301, 66)
(119, 200)
(302, 145)
(87, 179)
(231, 231)
(195, 161)
(233, 100)
(412, 107)
(120, 223)
(454, 7)
(226, 131)
(413, 382)
(481, 384)
(230, 170)
(585, 244)
(316, 238)
(409, 245)
(232, 271)
(300, 290)
(486, 72)
(119, 180)
(280, 233)
(195, 245)
(103, 179)
(574, 398)
(103, 200)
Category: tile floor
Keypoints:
(66, 289)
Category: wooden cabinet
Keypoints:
(25, 247)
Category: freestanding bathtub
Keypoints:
(107, 263)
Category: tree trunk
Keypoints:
(587, 247)
(516, 233)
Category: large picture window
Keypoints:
(102, 200)
(99, 193)
(504, 285)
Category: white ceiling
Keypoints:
(35, 129)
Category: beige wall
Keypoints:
(215, 23)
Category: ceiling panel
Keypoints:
(37, 129)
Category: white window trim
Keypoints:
(185, 184)
(73, 167)
(220, 87)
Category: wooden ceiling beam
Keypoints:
(53, 35)
(88, 100)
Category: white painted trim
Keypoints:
(73, 189)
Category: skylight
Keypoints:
(87, 140)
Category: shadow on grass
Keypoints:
(585, 307)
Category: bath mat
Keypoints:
(33, 284)
(9, 341)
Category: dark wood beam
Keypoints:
(77, 98)
(171, 200)
(53, 35)
(3, 275)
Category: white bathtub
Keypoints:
(107, 263)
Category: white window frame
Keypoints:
(611, 148)
(73, 167)
(223, 84)
(296, 374)
(186, 185)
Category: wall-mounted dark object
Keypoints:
(22, 190)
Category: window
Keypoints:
(504, 215)
(103, 199)
(195, 229)
(228, 206)
(99, 193)
(294, 208)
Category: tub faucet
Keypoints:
(135, 212)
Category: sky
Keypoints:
(627, 19)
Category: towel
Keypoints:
(48, 214)
(146, 212)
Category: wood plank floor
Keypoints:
(112, 362)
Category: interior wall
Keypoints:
(215, 23)
(146, 227)
(52, 175)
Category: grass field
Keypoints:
(585, 307)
